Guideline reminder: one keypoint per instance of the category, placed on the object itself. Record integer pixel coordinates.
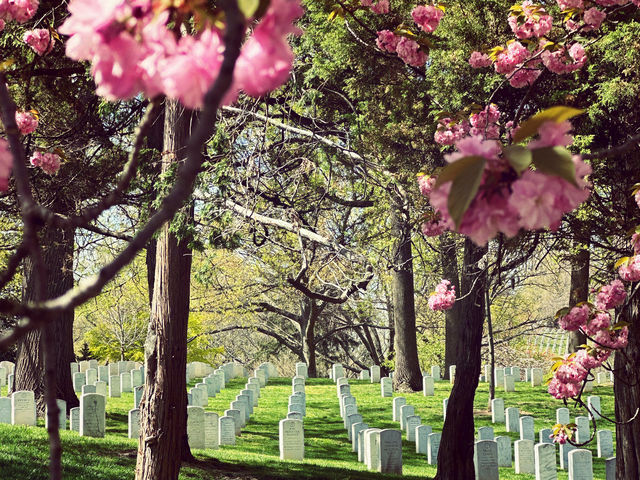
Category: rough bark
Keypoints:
(579, 288)
(626, 388)
(164, 404)
(455, 458)
(492, 350)
(407, 375)
(30, 369)
(453, 327)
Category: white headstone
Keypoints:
(582, 431)
(337, 370)
(386, 387)
(513, 419)
(452, 374)
(210, 430)
(136, 378)
(137, 396)
(497, 410)
(485, 460)
(133, 423)
(435, 372)
(390, 452)
(371, 448)
(509, 383)
(350, 420)
(433, 445)
(5, 410)
(523, 453)
(610, 468)
(498, 376)
(23, 408)
(101, 388)
(593, 402)
(405, 412)
(79, 379)
(527, 429)
(88, 388)
(355, 430)
(235, 414)
(605, 443)
(580, 465)
(422, 433)
(565, 448)
(114, 386)
(427, 386)
(545, 435)
(536, 377)
(485, 433)
(125, 382)
(195, 426)
(301, 369)
(562, 416)
(74, 419)
(92, 415)
(103, 373)
(291, 439)
(375, 373)
(91, 376)
(227, 431)
(545, 461)
(411, 423)
(504, 451)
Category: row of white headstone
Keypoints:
(209, 430)
(427, 442)
(291, 428)
(380, 450)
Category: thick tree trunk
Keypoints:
(626, 388)
(30, 370)
(164, 407)
(453, 328)
(407, 375)
(455, 458)
(579, 288)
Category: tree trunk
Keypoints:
(579, 288)
(626, 388)
(310, 315)
(492, 350)
(453, 328)
(30, 370)
(455, 458)
(164, 404)
(407, 375)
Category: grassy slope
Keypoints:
(23, 450)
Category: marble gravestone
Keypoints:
(412, 422)
(405, 412)
(291, 439)
(390, 452)
(92, 415)
(513, 419)
(23, 408)
(427, 386)
(374, 370)
(398, 403)
(435, 372)
(195, 426)
(114, 386)
(227, 430)
(605, 443)
(371, 448)
(422, 433)
(74, 419)
(523, 455)
(133, 423)
(5, 410)
(386, 387)
(562, 415)
(580, 464)
(485, 433)
(433, 445)
(211, 430)
(545, 435)
(497, 410)
(355, 430)
(485, 460)
(527, 428)
(545, 461)
(504, 451)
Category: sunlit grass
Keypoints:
(24, 450)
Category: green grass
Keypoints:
(24, 450)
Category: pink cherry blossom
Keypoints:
(552, 134)
(593, 18)
(39, 40)
(479, 60)
(410, 53)
(637, 195)
(449, 131)
(433, 228)
(535, 24)
(426, 184)
(6, 162)
(387, 40)
(427, 17)
(1, 24)
(611, 296)
(444, 296)
(561, 390)
(635, 243)
(614, 339)
(563, 61)
(567, 4)
(48, 162)
(598, 322)
(576, 318)
(19, 10)
(381, 7)
(27, 122)
(508, 59)
(474, 145)
(630, 271)
(524, 77)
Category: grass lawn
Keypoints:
(24, 450)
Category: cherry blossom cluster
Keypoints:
(484, 123)
(18, 10)
(382, 6)
(530, 23)
(409, 50)
(506, 201)
(133, 47)
(39, 40)
(629, 270)
(27, 122)
(444, 296)
(48, 162)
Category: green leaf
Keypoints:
(248, 7)
(555, 161)
(557, 114)
(621, 262)
(620, 325)
(466, 175)
(518, 156)
(562, 312)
